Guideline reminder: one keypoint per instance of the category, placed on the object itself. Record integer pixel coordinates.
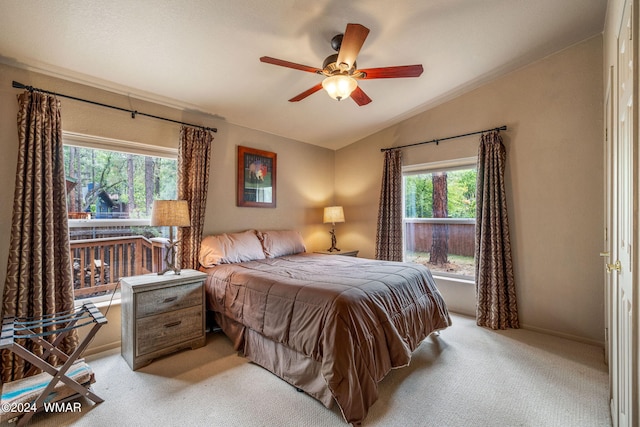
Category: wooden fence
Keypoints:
(461, 237)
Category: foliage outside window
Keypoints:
(439, 217)
(116, 185)
(109, 198)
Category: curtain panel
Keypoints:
(389, 231)
(495, 285)
(194, 157)
(39, 279)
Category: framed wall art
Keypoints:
(256, 178)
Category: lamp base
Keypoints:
(333, 241)
(169, 259)
(175, 270)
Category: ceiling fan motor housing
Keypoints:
(330, 66)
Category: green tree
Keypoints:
(125, 177)
(418, 196)
(462, 194)
(439, 253)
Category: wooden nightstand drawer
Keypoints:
(168, 329)
(168, 299)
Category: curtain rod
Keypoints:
(444, 139)
(134, 113)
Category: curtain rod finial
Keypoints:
(18, 85)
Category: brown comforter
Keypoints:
(357, 318)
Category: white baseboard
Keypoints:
(99, 349)
(564, 335)
(544, 331)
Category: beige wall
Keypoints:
(304, 180)
(553, 110)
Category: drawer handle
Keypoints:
(172, 324)
(166, 300)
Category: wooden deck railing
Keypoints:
(98, 264)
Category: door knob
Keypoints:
(617, 266)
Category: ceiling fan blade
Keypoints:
(392, 72)
(282, 63)
(306, 93)
(352, 41)
(360, 97)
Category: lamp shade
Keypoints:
(170, 213)
(333, 214)
(339, 86)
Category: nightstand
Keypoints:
(161, 315)
(345, 253)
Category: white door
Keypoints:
(622, 358)
(610, 245)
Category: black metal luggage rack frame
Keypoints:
(60, 324)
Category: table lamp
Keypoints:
(333, 214)
(170, 213)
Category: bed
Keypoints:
(332, 326)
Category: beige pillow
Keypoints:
(277, 243)
(230, 248)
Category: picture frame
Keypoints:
(256, 185)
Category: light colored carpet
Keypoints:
(468, 376)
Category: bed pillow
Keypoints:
(277, 243)
(230, 248)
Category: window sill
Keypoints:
(101, 301)
(465, 280)
(104, 304)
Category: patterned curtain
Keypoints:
(389, 233)
(39, 280)
(194, 156)
(495, 286)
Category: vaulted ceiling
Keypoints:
(204, 55)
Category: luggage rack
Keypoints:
(14, 329)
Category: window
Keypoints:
(111, 186)
(439, 216)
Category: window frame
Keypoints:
(430, 167)
(122, 146)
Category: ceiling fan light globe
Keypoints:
(339, 87)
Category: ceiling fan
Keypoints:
(340, 70)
